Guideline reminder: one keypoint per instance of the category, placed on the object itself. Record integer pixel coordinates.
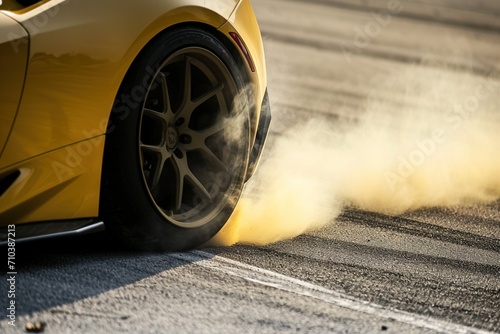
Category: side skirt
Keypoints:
(51, 230)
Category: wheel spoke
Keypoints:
(166, 96)
(157, 168)
(183, 172)
(187, 81)
(215, 160)
(211, 93)
(156, 115)
(214, 129)
(161, 114)
(186, 106)
(198, 138)
(179, 182)
(198, 144)
(199, 187)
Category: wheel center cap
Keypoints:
(172, 138)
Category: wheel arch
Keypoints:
(214, 30)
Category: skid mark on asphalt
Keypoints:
(285, 283)
(421, 229)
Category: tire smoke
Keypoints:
(429, 137)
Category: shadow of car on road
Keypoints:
(60, 271)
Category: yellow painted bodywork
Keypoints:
(62, 184)
(79, 53)
(12, 71)
(244, 22)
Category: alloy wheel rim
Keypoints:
(186, 141)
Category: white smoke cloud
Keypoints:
(429, 137)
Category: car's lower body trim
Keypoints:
(261, 136)
(50, 230)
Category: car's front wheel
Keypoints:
(177, 145)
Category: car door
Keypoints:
(13, 59)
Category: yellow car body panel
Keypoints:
(79, 53)
(243, 21)
(12, 71)
(77, 63)
(62, 184)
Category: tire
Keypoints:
(178, 144)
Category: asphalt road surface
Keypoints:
(424, 271)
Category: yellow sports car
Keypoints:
(145, 116)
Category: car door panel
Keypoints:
(13, 59)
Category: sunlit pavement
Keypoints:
(430, 270)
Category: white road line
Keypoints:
(289, 284)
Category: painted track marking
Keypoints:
(293, 285)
